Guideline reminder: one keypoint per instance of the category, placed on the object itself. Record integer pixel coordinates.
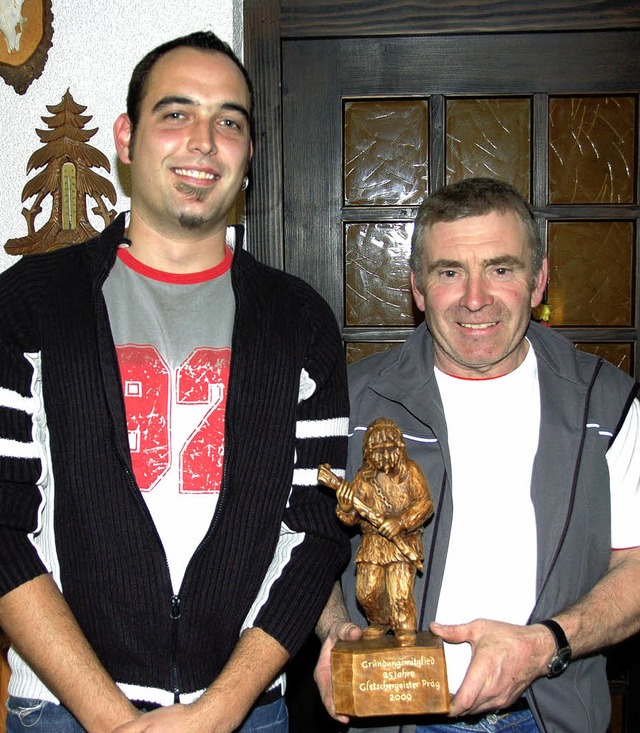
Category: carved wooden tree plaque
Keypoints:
(67, 176)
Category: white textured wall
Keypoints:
(95, 47)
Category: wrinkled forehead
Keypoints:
(478, 237)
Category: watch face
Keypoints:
(560, 662)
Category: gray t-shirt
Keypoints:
(173, 338)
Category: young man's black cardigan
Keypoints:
(67, 485)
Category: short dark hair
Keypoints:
(203, 40)
(473, 197)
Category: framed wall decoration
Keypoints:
(26, 30)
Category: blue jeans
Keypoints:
(519, 722)
(25, 714)
(271, 718)
(39, 716)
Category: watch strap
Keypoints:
(558, 633)
(562, 657)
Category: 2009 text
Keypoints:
(403, 696)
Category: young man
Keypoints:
(164, 403)
(530, 448)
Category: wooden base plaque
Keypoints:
(378, 677)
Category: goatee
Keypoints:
(192, 221)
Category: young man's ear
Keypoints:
(122, 137)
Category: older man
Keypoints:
(531, 451)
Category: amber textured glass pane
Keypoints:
(620, 355)
(592, 150)
(378, 291)
(385, 156)
(591, 273)
(357, 350)
(490, 137)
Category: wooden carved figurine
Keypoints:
(390, 499)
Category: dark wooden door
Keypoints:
(363, 108)
(372, 125)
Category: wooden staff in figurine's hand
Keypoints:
(389, 528)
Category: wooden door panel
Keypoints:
(516, 63)
(309, 87)
(503, 105)
(331, 18)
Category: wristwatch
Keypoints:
(563, 651)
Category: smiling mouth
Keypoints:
(191, 173)
(478, 326)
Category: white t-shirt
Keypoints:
(490, 570)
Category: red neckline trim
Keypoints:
(176, 278)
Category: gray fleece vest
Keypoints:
(583, 403)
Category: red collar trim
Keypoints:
(176, 278)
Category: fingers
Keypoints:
(348, 631)
(390, 528)
(504, 663)
(322, 672)
(451, 633)
(345, 496)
